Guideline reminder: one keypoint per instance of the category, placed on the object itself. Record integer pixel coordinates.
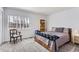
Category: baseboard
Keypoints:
(4, 42)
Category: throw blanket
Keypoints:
(48, 36)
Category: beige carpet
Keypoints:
(29, 45)
(69, 48)
(26, 45)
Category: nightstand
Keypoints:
(76, 38)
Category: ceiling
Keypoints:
(45, 10)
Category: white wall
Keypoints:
(67, 18)
(34, 21)
(1, 11)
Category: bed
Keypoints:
(59, 38)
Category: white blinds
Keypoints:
(18, 21)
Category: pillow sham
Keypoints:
(59, 29)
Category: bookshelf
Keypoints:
(42, 25)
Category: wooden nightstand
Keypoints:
(76, 38)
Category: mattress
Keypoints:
(63, 37)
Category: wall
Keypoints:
(34, 21)
(67, 18)
(1, 11)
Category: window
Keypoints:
(18, 21)
(11, 22)
(27, 22)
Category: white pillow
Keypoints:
(53, 28)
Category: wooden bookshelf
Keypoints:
(42, 25)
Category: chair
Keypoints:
(14, 34)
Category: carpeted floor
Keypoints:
(29, 45)
(26, 45)
(69, 48)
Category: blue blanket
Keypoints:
(46, 35)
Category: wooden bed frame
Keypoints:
(43, 44)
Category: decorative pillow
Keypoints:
(66, 30)
(59, 29)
